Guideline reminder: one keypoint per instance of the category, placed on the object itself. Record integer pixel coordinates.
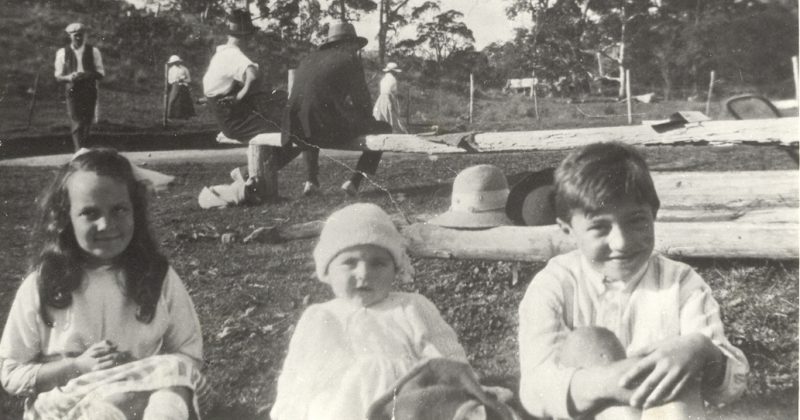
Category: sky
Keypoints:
(486, 18)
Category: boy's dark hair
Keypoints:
(602, 174)
(60, 259)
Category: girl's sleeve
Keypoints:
(20, 344)
(183, 334)
(433, 336)
(700, 313)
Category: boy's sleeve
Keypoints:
(20, 344)
(700, 313)
(433, 335)
(544, 385)
(183, 335)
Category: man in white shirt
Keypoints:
(79, 66)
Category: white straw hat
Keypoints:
(174, 59)
(391, 66)
(478, 200)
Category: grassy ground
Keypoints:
(249, 296)
(122, 111)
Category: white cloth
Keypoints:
(99, 311)
(342, 357)
(227, 66)
(387, 107)
(178, 73)
(98, 60)
(667, 299)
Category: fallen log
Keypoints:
(775, 131)
(540, 243)
(777, 241)
(740, 189)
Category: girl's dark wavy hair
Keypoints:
(60, 260)
(601, 175)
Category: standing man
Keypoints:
(79, 66)
(330, 105)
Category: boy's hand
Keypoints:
(672, 365)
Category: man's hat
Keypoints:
(478, 199)
(76, 27)
(240, 23)
(341, 31)
(531, 201)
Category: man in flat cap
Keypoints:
(79, 66)
(330, 104)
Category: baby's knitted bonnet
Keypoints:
(361, 224)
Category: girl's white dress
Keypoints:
(342, 357)
(168, 350)
(387, 107)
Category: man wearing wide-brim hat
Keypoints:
(79, 66)
(330, 104)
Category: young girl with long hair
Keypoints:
(102, 327)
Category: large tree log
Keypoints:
(756, 189)
(778, 131)
(667, 217)
(514, 243)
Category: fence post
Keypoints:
(628, 94)
(33, 100)
(471, 95)
(710, 92)
(166, 94)
(535, 98)
(796, 72)
(408, 106)
(290, 82)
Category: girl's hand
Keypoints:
(672, 364)
(99, 356)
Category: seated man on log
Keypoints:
(329, 105)
(242, 106)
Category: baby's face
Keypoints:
(617, 240)
(362, 274)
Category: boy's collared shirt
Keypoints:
(664, 299)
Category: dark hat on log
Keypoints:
(531, 201)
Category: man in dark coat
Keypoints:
(330, 104)
(79, 66)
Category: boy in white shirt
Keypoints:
(613, 330)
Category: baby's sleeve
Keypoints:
(300, 377)
(700, 313)
(433, 336)
(183, 334)
(20, 344)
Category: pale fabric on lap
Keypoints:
(86, 393)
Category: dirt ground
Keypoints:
(249, 296)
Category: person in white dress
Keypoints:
(102, 327)
(348, 351)
(387, 107)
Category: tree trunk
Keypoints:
(382, 22)
(622, 80)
